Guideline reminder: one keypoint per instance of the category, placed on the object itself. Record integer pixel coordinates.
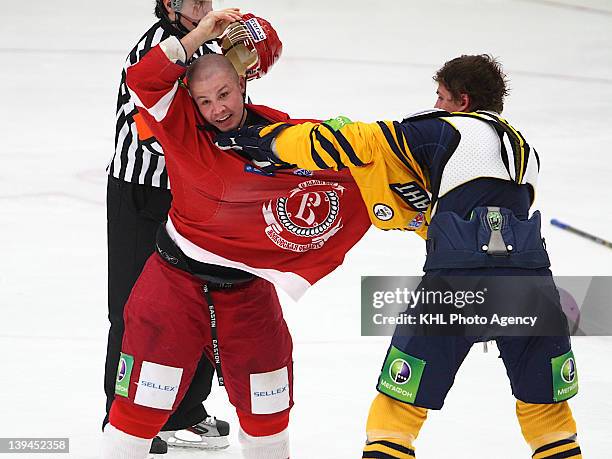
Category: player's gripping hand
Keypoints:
(256, 142)
(215, 22)
(210, 27)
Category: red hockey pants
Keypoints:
(168, 327)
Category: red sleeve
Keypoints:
(165, 104)
(307, 120)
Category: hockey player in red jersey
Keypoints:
(137, 201)
(234, 229)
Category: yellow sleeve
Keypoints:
(392, 183)
(334, 144)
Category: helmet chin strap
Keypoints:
(176, 6)
(179, 25)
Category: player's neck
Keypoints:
(244, 117)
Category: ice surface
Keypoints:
(59, 73)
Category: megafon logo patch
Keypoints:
(122, 370)
(568, 371)
(256, 30)
(400, 371)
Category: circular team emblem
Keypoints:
(383, 212)
(568, 371)
(400, 371)
(122, 370)
(310, 214)
(306, 218)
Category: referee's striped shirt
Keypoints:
(139, 160)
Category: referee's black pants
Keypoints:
(134, 212)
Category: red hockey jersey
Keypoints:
(291, 227)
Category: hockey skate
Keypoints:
(209, 434)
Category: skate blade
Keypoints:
(211, 443)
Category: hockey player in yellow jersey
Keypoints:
(452, 175)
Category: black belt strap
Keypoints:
(214, 334)
(213, 277)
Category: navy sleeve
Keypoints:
(431, 141)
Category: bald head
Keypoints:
(217, 91)
(211, 66)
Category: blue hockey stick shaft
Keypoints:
(584, 234)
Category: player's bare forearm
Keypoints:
(210, 27)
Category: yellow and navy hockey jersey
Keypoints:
(431, 162)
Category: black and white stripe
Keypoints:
(135, 161)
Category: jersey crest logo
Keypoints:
(305, 219)
(412, 194)
(383, 212)
(495, 220)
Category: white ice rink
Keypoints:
(60, 66)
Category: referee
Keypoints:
(137, 202)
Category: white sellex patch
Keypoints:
(270, 391)
(158, 385)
